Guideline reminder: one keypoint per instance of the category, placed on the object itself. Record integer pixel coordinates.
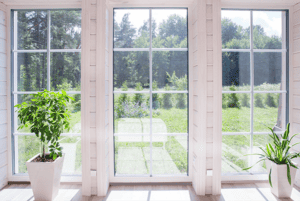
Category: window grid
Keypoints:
(15, 91)
(150, 49)
(252, 91)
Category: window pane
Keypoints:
(170, 70)
(169, 28)
(32, 30)
(130, 155)
(75, 117)
(235, 29)
(268, 112)
(23, 98)
(259, 141)
(65, 29)
(236, 71)
(169, 155)
(65, 71)
(131, 28)
(267, 29)
(267, 71)
(32, 71)
(72, 150)
(170, 113)
(131, 113)
(236, 112)
(27, 147)
(234, 148)
(131, 71)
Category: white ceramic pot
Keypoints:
(281, 187)
(45, 177)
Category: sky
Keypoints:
(137, 17)
(269, 20)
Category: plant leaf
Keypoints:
(289, 173)
(270, 181)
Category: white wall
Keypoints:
(3, 99)
(295, 80)
(95, 98)
(207, 96)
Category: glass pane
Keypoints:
(27, 147)
(65, 29)
(169, 155)
(32, 30)
(267, 71)
(235, 29)
(65, 71)
(268, 112)
(32, 71)
(72, 150)
(267, 29)
(170, 113)
(23, 98)
(236, 71)
(234, 147)
(169, 28)
(131, 28)
(130, 155)
(131, 71)
(259, 141)
(131, 113)
(236, 112)
(170, 70)
(75, 117)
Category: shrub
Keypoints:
(180, 84)
(270, 101)
(224, 101)
(155, 98)
(138, 98)
(258, 102)
(123, 97)
(233, 100)
(131, 110)
(245, 100)
(167, 98)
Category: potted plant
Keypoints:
(46, 116)
(281, 169)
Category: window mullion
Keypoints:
(48, 50)
(150, 74)
(252, 87)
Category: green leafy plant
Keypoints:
(47, 116)
(258, 102)
(167, 98)
(278, 152)
(233, 100)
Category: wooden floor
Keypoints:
(230, 192)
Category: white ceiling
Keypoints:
(44, 2)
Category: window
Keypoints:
(150, 77)
(254, 60)
(46, 55)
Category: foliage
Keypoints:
(269, 101)
(233, 100)
(224, 100)
(245, 100)
(138, 97)
(278, 152)
(258, 100)
(180, 84)
(123, 97)
(131, 110)
(155, 97)
(167, 98)
(47, 116)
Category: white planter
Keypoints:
(45, 177)
(281, 187)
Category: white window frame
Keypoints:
(228, 6)
(167, 178)
(73, 178)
